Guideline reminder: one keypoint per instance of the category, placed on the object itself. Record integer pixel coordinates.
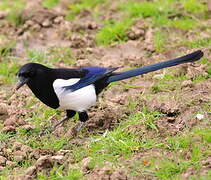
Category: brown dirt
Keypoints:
(107, 173)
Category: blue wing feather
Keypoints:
(93, 74)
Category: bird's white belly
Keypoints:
(79, 100)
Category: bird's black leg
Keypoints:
(83, 117)
(69, 114)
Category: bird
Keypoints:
(75, 90)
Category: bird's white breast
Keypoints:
(79, 100)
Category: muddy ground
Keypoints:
(183, 103)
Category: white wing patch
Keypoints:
(79, 100)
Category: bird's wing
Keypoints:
(93, 74)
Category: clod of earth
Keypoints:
(3, 14)
(44, 163)
(30, 173)
(2, 161)
(1, 168)
(10, 164)
(85, 163)
(3, 109)
(107, 173)
(58, 159)
(9, 129)
(13, 121)
(187, 84)
(19, 156)
(170, 108)
(196, 70)
(37, 153)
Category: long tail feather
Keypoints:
(154, 67)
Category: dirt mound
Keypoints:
(35, 16)
(107, 173)
(12, 113)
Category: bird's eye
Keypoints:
(19, 74)
(31, 73)
(24, 74)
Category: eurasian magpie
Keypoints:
(76, 90)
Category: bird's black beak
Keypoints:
(21, 82)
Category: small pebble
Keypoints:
(8, 129)
(187, 83)
(19, 156)
(46, 23)
(200, 116)
(58, 19)
(2, 160)
(59, 159)
(10, 163)
(1, 168)
(3, 109)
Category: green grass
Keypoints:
(141, 9)
(37, 118)
(160, 12)
(14, 9)
(37, 55)
(200, 43)
(165, 86)
(61, 54)
(179, 142)
(205, 134)
(50, 3)
(113, 32)
(145, 117)
(169, 168)
(57, 173)
(169, 82)
(107, 147)
(11, 5)
(201, 78)
(184, 23)
(183, 143)
(79, 6)
(54, 54)
(193, 6)
(159, 40)
(8, 69)
(120, 142)
(6, 47)
(15, 18)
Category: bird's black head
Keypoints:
(28, 72)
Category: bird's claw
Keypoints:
(45, 131)
(73, 132)
(79, 127)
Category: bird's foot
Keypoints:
(51, 129)
(80, 126)
(46, 131)
(73, 132)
